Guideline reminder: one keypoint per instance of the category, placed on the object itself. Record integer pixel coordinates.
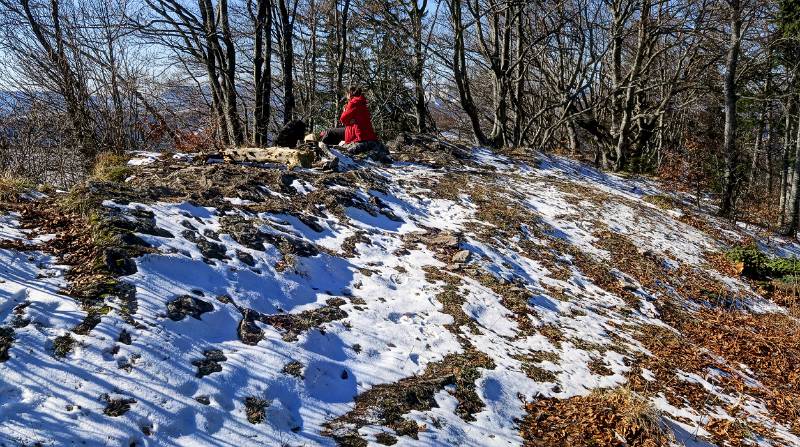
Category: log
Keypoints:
(276, 154)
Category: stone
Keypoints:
(124, 337)
(211, 363)
(182, 306)
(211, 250)
(283, 155)
(249, 332)
(190, 235)
(246, 258)
(445, 240)
(118, 262)
(461, 257)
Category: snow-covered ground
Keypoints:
(396, 325)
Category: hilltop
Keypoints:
(454, 297)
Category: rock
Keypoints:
(215, 355)
(249, 332)
(124, 337)
(211, 363)
(128, 238)
(205, 400)
(6, 339)
(211, 250)
(244, 232)
(461, 257)
(190, 235)
(445, 240)
(291, 245)
(118, 261)
(309, 221)
(246, 258)
(180, 307)
(211, 234)
(137, 221)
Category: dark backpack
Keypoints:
(291, 133)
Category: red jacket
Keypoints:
(357, 121)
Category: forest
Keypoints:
(702, 93)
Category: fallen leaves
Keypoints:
(616, 417)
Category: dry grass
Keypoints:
(111, 167)
(617, 417)
(11, 186)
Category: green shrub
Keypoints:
(759, 265)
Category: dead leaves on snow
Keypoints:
(617, 417)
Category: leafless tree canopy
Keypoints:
(704, 92)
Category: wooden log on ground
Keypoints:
(276, 154)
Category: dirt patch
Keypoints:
(290, 325)
(387, 404)
(187, 305)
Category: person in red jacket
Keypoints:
(356, 119)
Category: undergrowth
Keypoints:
(11, 186)
(110, 167)
(756, 264)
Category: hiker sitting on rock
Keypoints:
(358, 137)
(356, 119)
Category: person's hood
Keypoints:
(358, 101)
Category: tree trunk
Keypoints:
(287, 60)
(793, 199)
(418, 65)
(460, 73)
(730, 175)
(785, 181)
(235, 132)
(262, 72)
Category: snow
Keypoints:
(143, 158)
(396, 330)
